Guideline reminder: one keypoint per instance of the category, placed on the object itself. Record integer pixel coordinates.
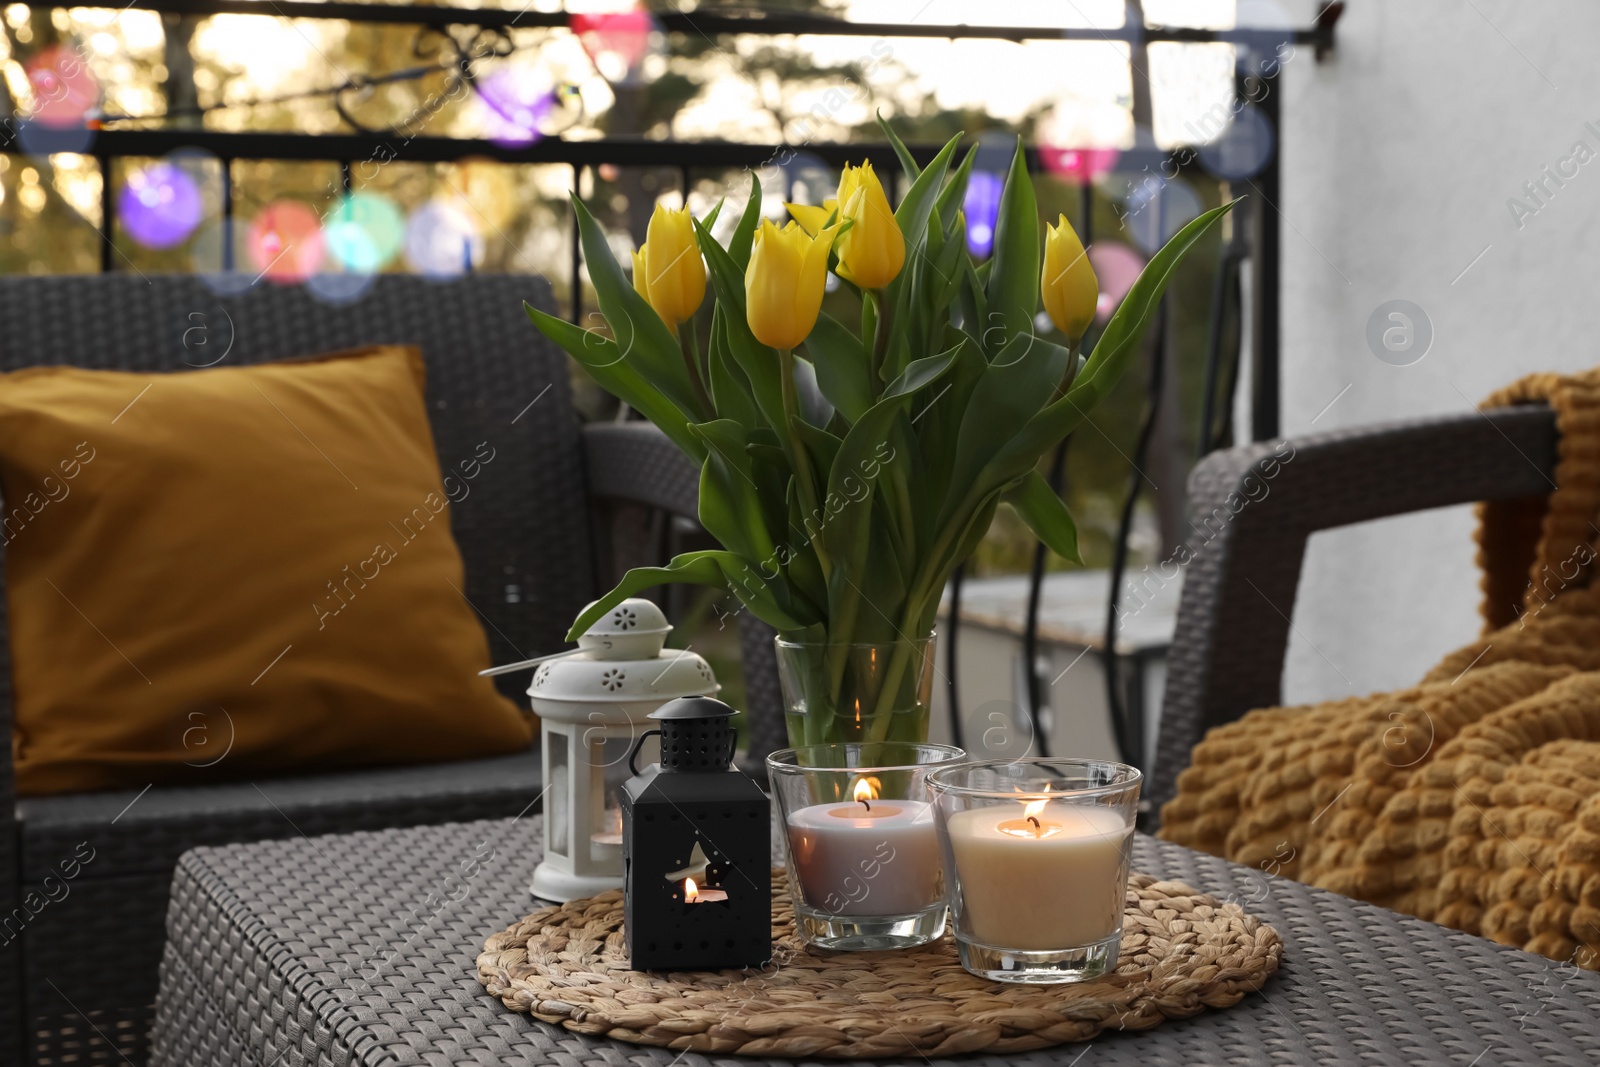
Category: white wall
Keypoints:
(1400, 154)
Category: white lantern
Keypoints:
(592, 704)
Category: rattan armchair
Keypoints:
(1254, 508)
(78, 979)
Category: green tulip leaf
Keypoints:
(861, 461)
(908, 162)
(821, 445)
(744, 234)
(711, 567)
(1017, 382)
(913, 212)
(920, 374)
(842, 371)
(730, 506)
(954, 193)
(730, 389)
(603, 359)
(1013, 285)
(1046, 515)
(710, 221)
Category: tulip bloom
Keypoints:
(783, 284)
(872, 250)
(1067, 283)
(812, 219)
(641, 275)
(675, 274)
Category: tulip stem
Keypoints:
(691, 363)
(1071, 375)
(880, 338)
(798, 457)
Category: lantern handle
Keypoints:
(633, 753)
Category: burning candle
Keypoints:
(867, 857)
(693, 894)
(1046, 875)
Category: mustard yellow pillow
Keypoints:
(234, 571)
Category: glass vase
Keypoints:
(836, 692)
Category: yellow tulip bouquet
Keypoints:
(847, 474)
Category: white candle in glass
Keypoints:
(867, 857)
(1040, 877)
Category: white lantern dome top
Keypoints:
(581, 679)
(621, 660)
(634, 629)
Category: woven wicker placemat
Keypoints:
(1182, 952)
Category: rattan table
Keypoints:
(359, 949)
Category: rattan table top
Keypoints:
(360, 949)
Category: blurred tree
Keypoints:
(34, 214)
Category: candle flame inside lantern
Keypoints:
(693, 894)
(1033, 809)
(864, 790)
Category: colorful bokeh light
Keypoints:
(1243, 149)
(1116, 267)
(518, 103)
(64, 92)
(285, 242)
(1156, 209)
(982, 209)
(442, 239)
(617, 41)
(1078, 165)
(160, 205)
(364, 233)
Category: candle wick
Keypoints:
(864, 804)
(1034, 821)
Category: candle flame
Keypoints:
(865, 789)
(1033, 808)
(691, 892)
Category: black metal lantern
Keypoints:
(696, 849)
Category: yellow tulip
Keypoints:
(812, 219)
(676, 283)
(872, 250)
(641, 274)
(1067, 283)
(783, 284)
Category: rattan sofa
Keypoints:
(78, 979)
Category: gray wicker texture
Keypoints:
(12, 1041)
(359, 950)
(626, 461)
(1252, 510)
(77, 983)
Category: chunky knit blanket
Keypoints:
(1471, 799)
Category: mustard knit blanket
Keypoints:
(1473, 798)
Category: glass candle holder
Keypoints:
(1035, 858)
(863, 855)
